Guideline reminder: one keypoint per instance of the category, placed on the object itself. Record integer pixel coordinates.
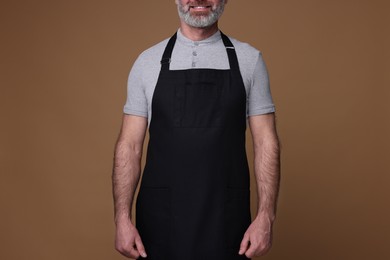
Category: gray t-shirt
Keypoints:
(208, 53)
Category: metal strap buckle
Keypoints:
(165, 60)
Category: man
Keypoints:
(196, 92)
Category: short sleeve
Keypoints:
(260, 99)
(136, 102)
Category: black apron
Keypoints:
(194, 197)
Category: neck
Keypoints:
(197, 34)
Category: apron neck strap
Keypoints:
(231, 52)
(166, 58)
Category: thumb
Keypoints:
(244, 244)
(140, 246)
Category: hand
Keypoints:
(259, 234)
(128, 241)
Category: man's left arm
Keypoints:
(267, 174)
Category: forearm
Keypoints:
(125, 177)
(267, 173)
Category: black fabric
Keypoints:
(166, 58)
(194, 198)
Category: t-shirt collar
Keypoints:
(213, 38)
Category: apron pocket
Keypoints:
(238, 216)
(153, 216)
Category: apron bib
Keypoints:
(194, 198)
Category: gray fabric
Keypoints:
(187, 54)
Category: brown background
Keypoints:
(64, 66)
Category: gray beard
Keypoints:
(201, 21)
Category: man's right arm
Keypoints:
(125, 177)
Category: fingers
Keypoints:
(140, 246)
(244, 244)
(251, 250)
(131, 247)
(257, 248)
(129, 251)
(252, 247)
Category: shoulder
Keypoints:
(244, 48)
(153, 53)
(247, 55)
(148, 61)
